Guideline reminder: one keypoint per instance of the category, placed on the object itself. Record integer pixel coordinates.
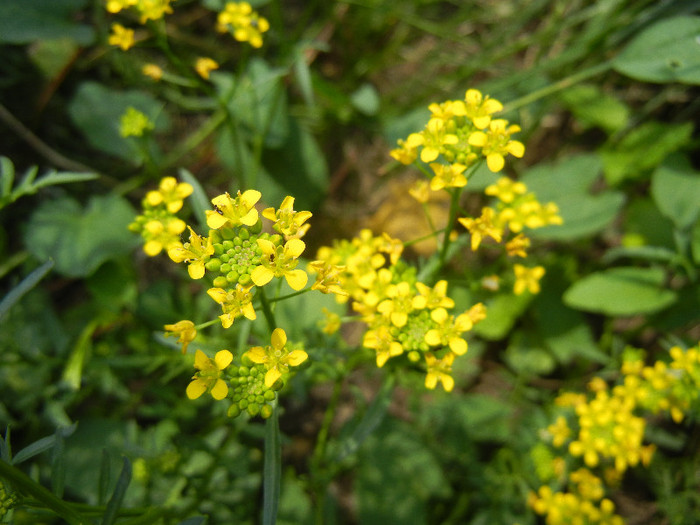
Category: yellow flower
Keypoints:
(195, 253)
(114, 6)
(171, 193)
(449, 331)
(234, 212)
(332, 322)
(328, 278)
(479, 108)
(559, 431)
(381, 340)
(450, 176)
(506, 189)
(279, 261)
(243, 23)
(276, 358)
(527, 279)
(433, 139)
(495, 143)
(133, 123)
(204, 66)
(405, 153)
(419, 191)
(431, 298)
(234, 303)
(517, 246)
(185, 330)
(121, 36)
(162, 234)
(153, 9)
(439, 370)
(399, 303)
(153, 71)
(481, 227)
(208, 379)
(288, 222)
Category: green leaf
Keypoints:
(568, 184)
(501, 313)
(80, 240)
(24, 21)
(272, 469)
(643, 149)
(200, 201)
(526, 357)
(668, 51)
(366, 100)
(695, 243)
(595, 108)
(97, 110)
(29, 282)
(115, 502)
(675, 186)
(73, 372)
(621, 291)
(42, 445)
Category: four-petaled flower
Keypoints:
(439, 370)
(208, 379)
(449, 331)
(527, 278)
(121, 36)
(234, 212)
(278, 261)
(481, 227)
(288, 222)
(234, 303)
(383, 343)
(276, 357)
(495, 143)
(195, 253)
(171, 193)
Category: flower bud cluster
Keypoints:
(249, 392)
(8, 499)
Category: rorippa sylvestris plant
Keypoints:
(596, 438)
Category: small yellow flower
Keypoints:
(134, 123)
(153, 9)
(243, 23)
(208, 379)
(506, 189)
(153, 71)
(482, 226)
(479, 108)
(399, 303)
(496, 144)
(450, 176)
(185, 331)
(431, 298)
(405, 153)
(433, 139)
(162, 235)
(328, 278)
(439, 370)
(527, 279)
(280, 261)
(121, 36)
(381, 340)
(517, 246)
(171, 193)
(276, 358)
(331, 323)
(114, 6)
(449, 331)
(195, 253)
(288, 222)
(234, 303)
(234, 212)
(204, 66)
(419, 190)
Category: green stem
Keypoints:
(454, 207)
(558, 86)
(289, 296)
(27, 486)
(267, 310)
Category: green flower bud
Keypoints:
(265, 411)
(243, 371)
(233, 411)
(213, 265)
(253, 409)
(414, 356)
(244, 279)
(269, 395)
(228, 245)
(220, 282)
(225, 257)
(232, 276)
(225, 268)
(243, 234)
(257, 227)
(243, 404)
(218, 248)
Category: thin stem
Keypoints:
(267, 310)
(272, 469)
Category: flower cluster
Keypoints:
(134, 123)
(607, 430)
(244, 24)
(404, 316)
(147, 9)
(461, 132)
(158, 224)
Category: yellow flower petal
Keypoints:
(195, 389)
(220, 390)
(201, 361)
(223, 358)
(272, 375)
(257, 354)
(261, 275)
(294, 247)
(278, 338)
(296, 357)
(296, 279)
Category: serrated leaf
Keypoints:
(621, 291)
(675, 186)
(78, 239)
(668, 51)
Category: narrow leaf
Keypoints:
(7, 176)
(198, 199)
(63, 178)
(42, 445)
(29, 282)
(272, 469)
(115, 502)
(58, 464)
(105, 475)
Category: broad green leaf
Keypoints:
(621, 291)
(643, 149)
(97, 110)
(568, 185)
(501, 313)
(645, 225)
(675, 186)
(53, 56)
(78, 239)
(24, 21)
(595, 108)
(668, 51)
(526, 357)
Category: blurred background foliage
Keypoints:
(606, 95)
